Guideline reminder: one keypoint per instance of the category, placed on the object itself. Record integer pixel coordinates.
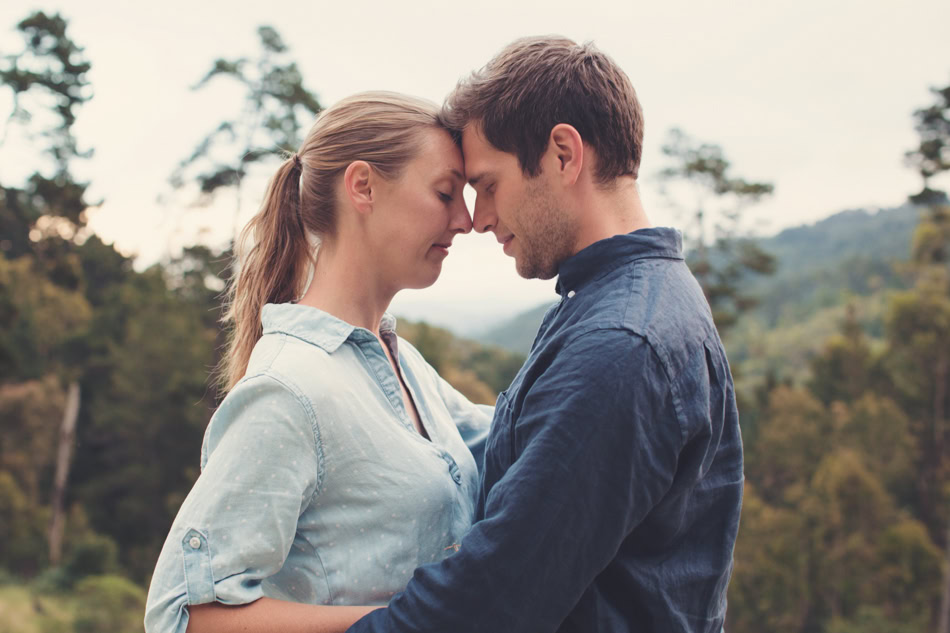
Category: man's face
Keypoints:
(525, 214)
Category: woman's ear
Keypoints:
(566, 150)
(358, 181)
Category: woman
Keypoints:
(337, 463)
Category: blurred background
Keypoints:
(803, 149)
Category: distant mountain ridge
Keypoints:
(848, 253)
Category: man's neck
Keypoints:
(609, 212)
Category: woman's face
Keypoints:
(417, 215)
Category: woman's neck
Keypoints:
(347, 285)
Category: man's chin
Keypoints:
(531, 270)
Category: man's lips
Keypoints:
(505, 243)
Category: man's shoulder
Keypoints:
(659, 304)
(657, 299)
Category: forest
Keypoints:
(838, 335)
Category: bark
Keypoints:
(67, 436)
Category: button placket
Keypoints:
(386, 377)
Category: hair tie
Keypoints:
(297, 161)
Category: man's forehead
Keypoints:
(475, 151)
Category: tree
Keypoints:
(277, 106)
(769, 590)
(41, 220)
(720, 262)
(789, 446)
(50, 68)
(842, 371)
(931, 157)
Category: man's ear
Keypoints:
(566, 149)
(358, 181)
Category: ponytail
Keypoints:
(272, 270)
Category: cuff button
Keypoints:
(195, 542)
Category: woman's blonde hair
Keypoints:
(274, 253)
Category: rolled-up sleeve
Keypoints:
(261, 466)
(597, 446)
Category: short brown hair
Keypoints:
(536, 83)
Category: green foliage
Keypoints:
(878, 429)
(480, 372)
(50, 66)
(931, 157)
(39, 316)
(790, 447)
(31, 411)
(108, 604)
(908, 572)
(842, 372)
(871, 619)
(147, 406)
(834, 535)
(277, 108)
(92, 555)
(723, 262)
(24, 610)
(770, 587)
(21, 529)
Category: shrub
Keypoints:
(108, 604)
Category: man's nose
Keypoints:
(483, 219)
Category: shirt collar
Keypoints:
(316, 326)
(608, 254)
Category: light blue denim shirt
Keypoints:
(315, 486)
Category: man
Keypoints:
(612, 478)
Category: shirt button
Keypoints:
(570, 294)
(195, 542)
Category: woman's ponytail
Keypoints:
(272, 269)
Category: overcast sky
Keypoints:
(813, 96)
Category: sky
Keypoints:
(813, 96)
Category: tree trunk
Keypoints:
(944, 626)
(67, 435)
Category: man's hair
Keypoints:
(536, 83)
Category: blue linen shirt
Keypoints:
(612, 483)
(315, 485)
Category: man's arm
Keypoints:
(597, 446)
